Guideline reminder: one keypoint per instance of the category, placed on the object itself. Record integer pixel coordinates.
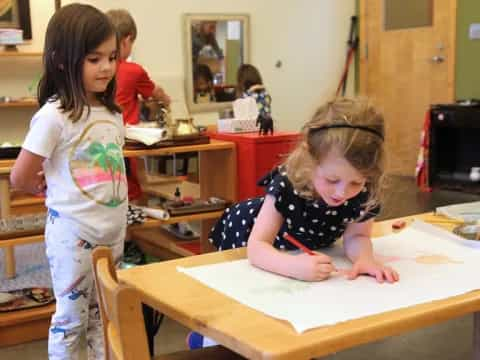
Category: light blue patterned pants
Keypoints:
(77, 310)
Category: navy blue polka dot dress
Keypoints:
(312, 222)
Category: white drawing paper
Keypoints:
(433, 264)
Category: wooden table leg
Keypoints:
(9, 256)
(476, 336)
(8, 252)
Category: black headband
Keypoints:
(339, 126)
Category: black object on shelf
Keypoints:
(454, 147)
(10, 152)
(176, 208)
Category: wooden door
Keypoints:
(405, 68)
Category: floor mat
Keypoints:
(31, 267)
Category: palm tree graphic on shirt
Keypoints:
(109, 158)
(97, 166)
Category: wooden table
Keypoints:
(258, 336)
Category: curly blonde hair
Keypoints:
(354, 128)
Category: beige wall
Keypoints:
(308, 36)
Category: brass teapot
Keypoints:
(185, 127)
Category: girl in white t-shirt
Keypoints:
(73, 150)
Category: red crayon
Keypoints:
(297, 243)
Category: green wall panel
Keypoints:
(467, 67)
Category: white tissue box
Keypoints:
(11, 36)
(236, 126)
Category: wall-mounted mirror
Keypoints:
(215, 46)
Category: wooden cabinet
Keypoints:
(256, 155)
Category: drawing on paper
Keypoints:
(427, 259)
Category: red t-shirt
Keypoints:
(132, 80)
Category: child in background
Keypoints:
(249, 83)
(75, 145)
(327, 188)
(203, 83)
(132, 81)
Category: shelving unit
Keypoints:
(19, 53)
(31, 324)
(212, 157)
(21, 326)
(28, 324)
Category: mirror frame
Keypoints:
(188, 19)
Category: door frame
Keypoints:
(450, 51)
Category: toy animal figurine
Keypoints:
(266, 125)
(154, 114)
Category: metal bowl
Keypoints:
(468, 231)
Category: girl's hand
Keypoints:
(372, 267)
(316, 267)
(42, 185)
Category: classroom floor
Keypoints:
(450, 340)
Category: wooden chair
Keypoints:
(123, 326)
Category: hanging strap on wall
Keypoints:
(352, 48)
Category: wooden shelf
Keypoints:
(21, 326)
(150, 222)
(19, 104)
(161, 179)
(214, 145)
(158, 238)
(167, 190)
(22, 199)
(14, 53)
(26, 237)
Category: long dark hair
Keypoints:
(247, 76)
(73, 32)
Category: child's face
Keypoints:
(335, 180)
(202, 85)
(99, 67)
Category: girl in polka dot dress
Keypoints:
(327, 188)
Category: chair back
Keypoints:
(124, 332)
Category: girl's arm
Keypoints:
(27, 173)
(356, 240)
(358, 248)
(160, 94)
(262, 254)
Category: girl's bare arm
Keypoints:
(27, 173)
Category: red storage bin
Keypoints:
(256, 155)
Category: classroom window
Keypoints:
(404, 14)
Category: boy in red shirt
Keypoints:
(132, 81)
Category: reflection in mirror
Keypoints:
(216, 46)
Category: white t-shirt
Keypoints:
(84, 168)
